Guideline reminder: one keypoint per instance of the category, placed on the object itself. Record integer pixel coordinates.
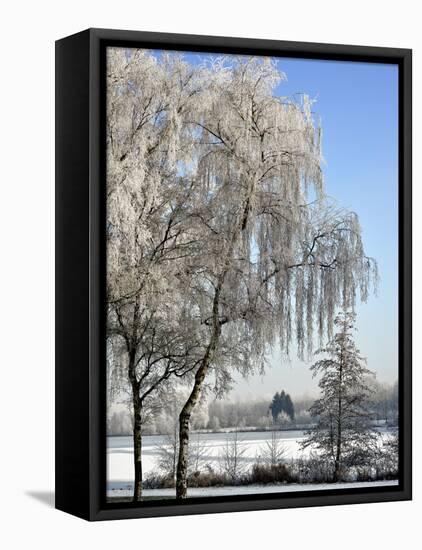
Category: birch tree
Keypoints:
(147, 197)
(343, 434)
(276, 258)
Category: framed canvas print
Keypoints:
(233, 274)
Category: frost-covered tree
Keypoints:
(232, 459)
(343, 434)
(273, 452)
(275, 258)
(168, 452)
(168, 448)
(149, 318)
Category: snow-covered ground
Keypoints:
(120, 462)
(117, 490)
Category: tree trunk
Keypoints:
(337, 461)
(184, 421)
(185, 415)
(137, 427)
(336, 475)
(137, 406)
(137, 446)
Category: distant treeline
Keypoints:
(281, 411)
(260, 413)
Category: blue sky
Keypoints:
(358, 107)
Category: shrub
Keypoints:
(264, 474)
(312, 470)
(157, 481)
(208, 479)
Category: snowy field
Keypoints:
(120, 462)
(127, 491)
(120, 450)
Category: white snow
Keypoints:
(120, 463)
(120, 450)
(114, 490)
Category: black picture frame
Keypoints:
(80, 273)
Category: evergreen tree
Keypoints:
(289, 407)
(281, 403)
(275, 406)
(343, 434)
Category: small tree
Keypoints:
(168, 452)
(273, 452)
(343, 434)
(168, 449)
(231, 459)
(197, 454)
